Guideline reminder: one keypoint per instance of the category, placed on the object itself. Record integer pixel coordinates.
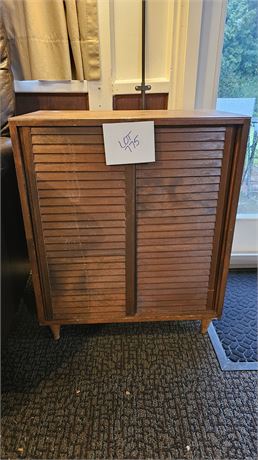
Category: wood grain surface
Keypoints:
(129, 243)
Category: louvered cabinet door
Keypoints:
(79, 205)
(179, 198)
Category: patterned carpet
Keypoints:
(237, 328)
(140, 391)
(235, 336)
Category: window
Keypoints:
(238, 86)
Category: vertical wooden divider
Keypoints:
(131, 284)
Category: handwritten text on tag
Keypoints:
(128, 143)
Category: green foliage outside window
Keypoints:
(239, 78)
(239, 70)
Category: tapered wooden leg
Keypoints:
(55, 329)
(204, 326)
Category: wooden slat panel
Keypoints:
(189, 129)
(175, 220)
(89, 285)
(78, 201)
(174, 234)
(172, 278)
(172, 272)
(68, 240)
(86, 280)
(176, 230)
(193, 136)
(148, 240)
(103, 267)
(86, 307)
(179, 311)
(69, 158)
(86, 284)
(190, 155)
(172, 303)
(87, 273)
(83, 298)
(74, 217)
(176, 294)
(69, 254)
(177, 205)
(84, 246)
(147, 269)
(96, 293)
(176, 212)
(178, 146)
(90, 317)
(73, 193)
(146, 173)
(74, 232)
(106, 294)
(172, 290)
(60, 153)
(174, 247)
(78, 176)
(67, 130)
(86, 258)
(68, 148)
(160, 182)
(167, 255)
(173, 197)
(67, 139)
(78, 258)
(169, 287)
(176, 190)
(78, 167)
(76, 209)
(84, 185)
(83, 213)
(179, 164)
(183, 222)
(86, 224)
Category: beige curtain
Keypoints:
(53, 39)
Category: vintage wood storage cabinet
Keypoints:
(129, 243)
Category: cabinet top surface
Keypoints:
(84, 117)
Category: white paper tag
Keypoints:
(127, 143)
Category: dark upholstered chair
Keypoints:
(15, 268)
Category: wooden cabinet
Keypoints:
(129, 243)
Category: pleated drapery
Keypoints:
(53, 39)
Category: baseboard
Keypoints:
(244, 260)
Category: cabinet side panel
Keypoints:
(16, 134)
(238, 153)
(36, 222)
(221, 214)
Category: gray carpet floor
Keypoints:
(140, 391)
